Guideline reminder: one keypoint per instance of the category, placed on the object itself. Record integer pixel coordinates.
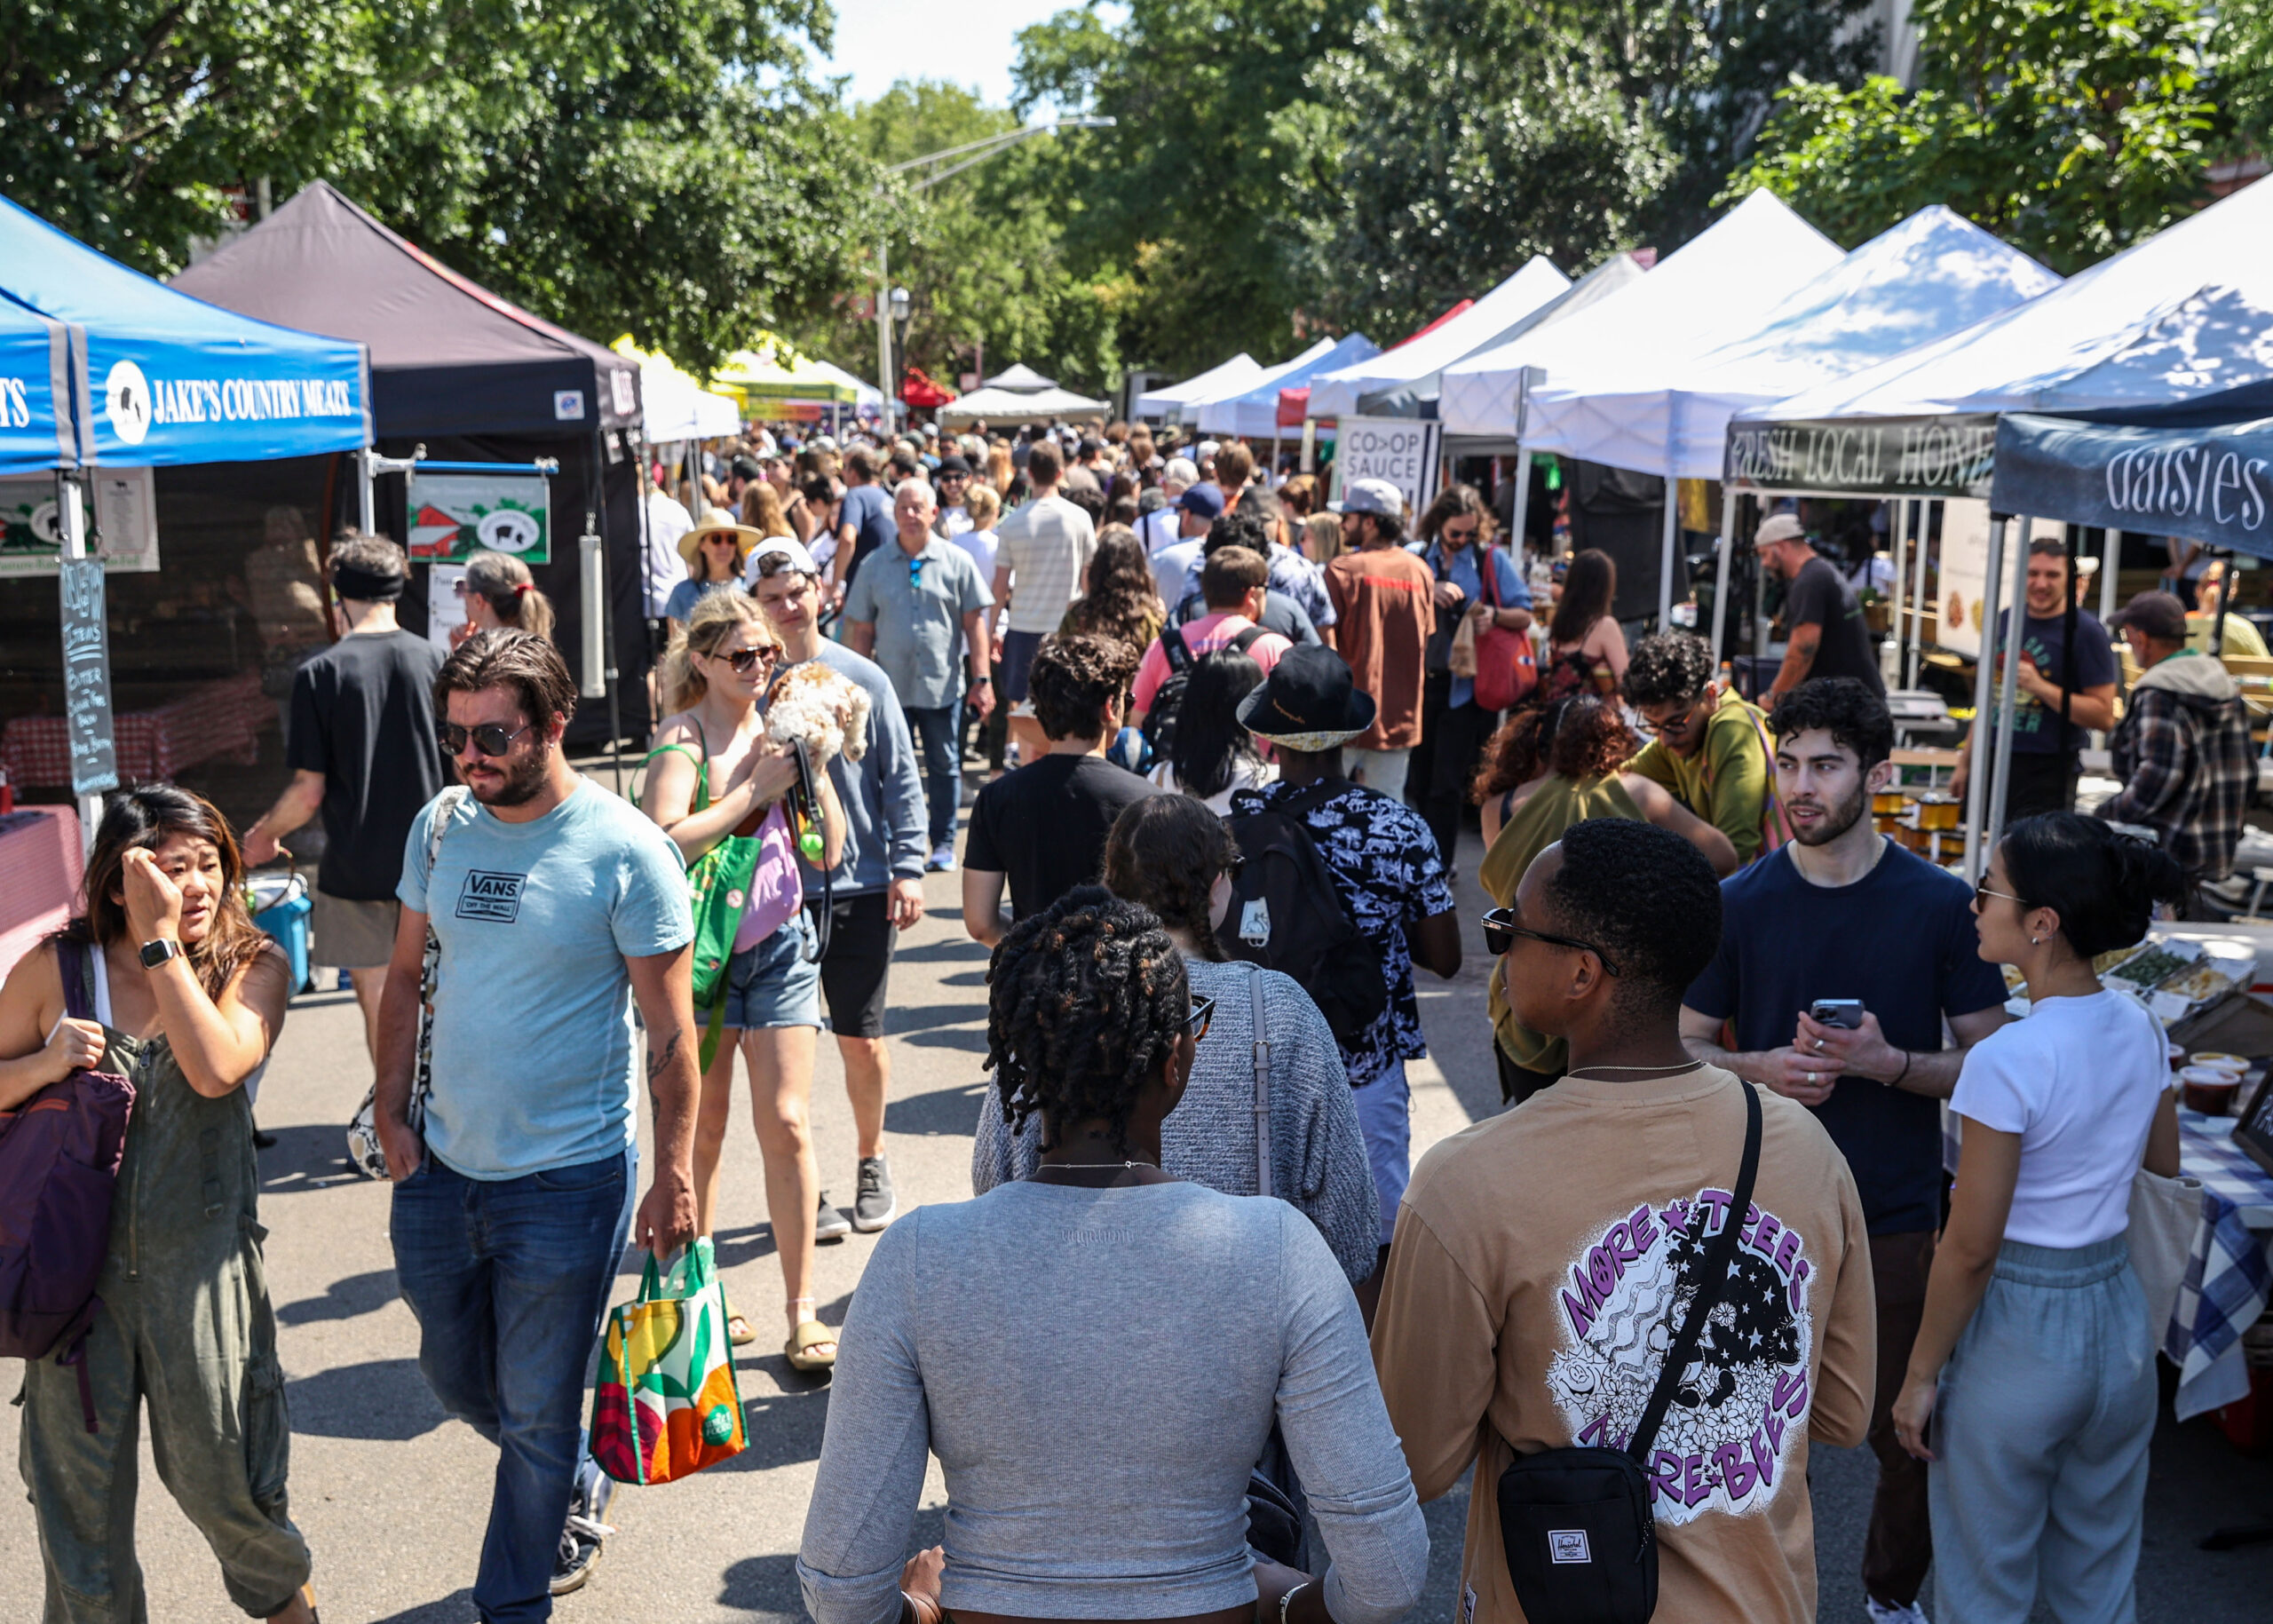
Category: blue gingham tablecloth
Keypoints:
(2229, 1274)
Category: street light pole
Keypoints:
(969, 153)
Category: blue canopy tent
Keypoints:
(38, 428)
(173, 380)
(102, 369)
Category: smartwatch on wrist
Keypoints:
(156, 952)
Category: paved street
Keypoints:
(392, 1496)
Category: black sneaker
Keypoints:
(581, 1534)
(875, 1206)
(828, 1223)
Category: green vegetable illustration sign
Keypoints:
(454, 516)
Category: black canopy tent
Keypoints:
(472, 377)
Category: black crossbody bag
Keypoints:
(1581, 1542)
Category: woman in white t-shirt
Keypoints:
(2034, 1364)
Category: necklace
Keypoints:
(1668, 1071)
(1090, 1167)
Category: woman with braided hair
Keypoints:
(1177, 858)
(1196, 1320)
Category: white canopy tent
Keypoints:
(1021, 406)
(1021, 378)
(1721, 284)
(2185, 314)
(1928, 276)
(1238, 373)
(1255, 412)
(1193, 407)
(1415, 363)
(1596, 285)
(675, 408)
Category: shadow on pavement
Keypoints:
(923, 1017)
(385, 1401)
(357, 1295)
(307, 1156)
(957, 949)
(768, 1585)
(941, 1111)
(452, 1609)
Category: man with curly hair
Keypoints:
(1710, 749)
(1042, 828)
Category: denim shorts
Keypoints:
(775, 983)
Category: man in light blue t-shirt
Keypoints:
(556, 905)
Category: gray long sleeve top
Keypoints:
(1098, 1371)
(1318, 1152)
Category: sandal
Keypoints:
(809, 1335)
(737, 1331)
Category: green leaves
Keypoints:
(2070, 128)
(656, 164)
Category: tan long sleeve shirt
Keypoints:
(1541, 1264)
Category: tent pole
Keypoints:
(71, 525)
(2009, 686)
(2110, 554)
(366, 499)
(1672, 517)
(1523, 499)
(1729, 500)
(1993, 579)
(1901, 561)
(1918, 527)
(2225, 597)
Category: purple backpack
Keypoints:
(58, 1164)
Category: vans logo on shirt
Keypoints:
(496, 898)
(1726, 1437)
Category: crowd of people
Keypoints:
(1229, 742)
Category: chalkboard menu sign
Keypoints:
(86, 678)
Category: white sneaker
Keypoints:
(1887, 1612)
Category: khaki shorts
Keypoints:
(352, 935)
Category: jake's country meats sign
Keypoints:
(2211, 484)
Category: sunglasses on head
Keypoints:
(490, 738)
(1202, 1017)
(1504, 925)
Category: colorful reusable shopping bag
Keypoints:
(665, 1405)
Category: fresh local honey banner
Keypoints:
(453, 516)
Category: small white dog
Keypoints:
(828, 710)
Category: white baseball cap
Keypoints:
(786, 547)
(1779, 527)
(1374, 496)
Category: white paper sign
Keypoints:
(1961, 586)
(1402, 450)
(445, 609)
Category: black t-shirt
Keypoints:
(2035, 724)
(1902, 940)
(1820, 596)
(1044, 825)
(364, 716)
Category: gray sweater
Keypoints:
(1098, 1371)
(1318, 1153)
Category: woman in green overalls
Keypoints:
(187, 996)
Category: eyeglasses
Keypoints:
(1982, 893)
(490, 738)
(1202, 1017)
(460, 587)
(1501, 927)
(744, 660)
(1458, 538)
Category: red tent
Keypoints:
(1423, 331)
(917, 389)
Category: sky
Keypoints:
(879, 42)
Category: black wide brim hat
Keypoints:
(1307, 703)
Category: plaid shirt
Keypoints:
(2187, 769)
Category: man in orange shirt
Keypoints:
(1383, 617)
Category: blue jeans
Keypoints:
(508, 1280)
(935, 737)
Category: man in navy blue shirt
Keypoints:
(1844, 913)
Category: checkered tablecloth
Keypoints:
(2230, 1273)
(214, 721)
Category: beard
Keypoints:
(1837, 820)
(524, 780)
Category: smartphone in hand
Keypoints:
(1842, 1012)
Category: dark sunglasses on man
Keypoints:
(1502, 925)
(490, 738)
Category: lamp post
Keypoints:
(891, 302)
(899, 334)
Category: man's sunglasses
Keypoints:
(744, 660)
(1202, 1017)
(1501, 926)
(491, 737)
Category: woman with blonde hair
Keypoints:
(1322, 538)
(711, 772)
(762, 511)
(1000, 472)
(501, 594)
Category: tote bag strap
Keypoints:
(1262, 1182)
(1720, 1251)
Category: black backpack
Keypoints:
(1159, 721)
(1287, 913)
